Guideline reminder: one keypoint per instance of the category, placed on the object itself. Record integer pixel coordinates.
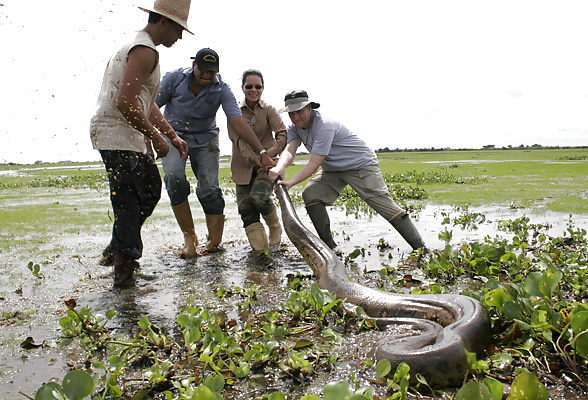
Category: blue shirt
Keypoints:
(188, 113)
(343, 150)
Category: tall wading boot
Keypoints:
(123, 271)
(215, 225)
(257, 236)
(275, 228)
(408, 231)
(320, 219)
(183, 215)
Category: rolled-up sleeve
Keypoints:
(229, 102)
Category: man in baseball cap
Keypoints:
(345, 159)
(192, 97)
(207, 60)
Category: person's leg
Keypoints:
(322, 190)
(250, 216)
(127, 178)
(208, 190)
(261, 197)
(178, 189)
(371, 187)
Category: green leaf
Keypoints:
(215, 382)
(526, 386)
(336, 391)
(580, 328)
(473, 390)
(532, 283)
(202, 392)
(78, 384)
(277, 396)
(383, 368)
(496, 298)
(495, 387)
(50, 391)
(512, 310)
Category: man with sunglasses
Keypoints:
(192, 97)
(345, 159)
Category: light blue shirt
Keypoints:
(343, 150)
(188, 113)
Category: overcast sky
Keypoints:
(400, 74)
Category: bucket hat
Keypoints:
(176, 10)
(297, 100)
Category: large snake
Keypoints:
(448, 324)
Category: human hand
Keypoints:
(181, 145)
(275, 174)
(161, 145)
(267, 161)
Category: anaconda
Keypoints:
(448, 324)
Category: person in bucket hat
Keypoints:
(345, 159)
(192, 97)
(127, 126)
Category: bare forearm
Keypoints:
(158, 120)
(136, 118)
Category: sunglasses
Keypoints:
(258, 86)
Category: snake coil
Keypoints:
(448, 323)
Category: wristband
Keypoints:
(262, 152)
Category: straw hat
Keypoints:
(176, 10)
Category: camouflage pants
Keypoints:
(255, 198)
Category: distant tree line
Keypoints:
(486, 147)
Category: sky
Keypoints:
(400, 74)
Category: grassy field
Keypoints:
(552, 180)
(556, 180)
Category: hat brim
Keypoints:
(183, 24)
(298, 106)
(204, 67)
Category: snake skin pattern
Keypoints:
(447, 323)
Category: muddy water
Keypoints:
(31, 307)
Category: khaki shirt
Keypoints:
(264, 120)
(109, 129)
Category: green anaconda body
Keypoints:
(448, 324)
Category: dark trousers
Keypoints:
(135, 189)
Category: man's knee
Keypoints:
(178, 188)
(213, 202)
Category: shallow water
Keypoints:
(68, 254)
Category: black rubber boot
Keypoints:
(123, 272)
(320, 219)
(408, 231)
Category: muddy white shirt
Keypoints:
(343, 150)
(109, 129)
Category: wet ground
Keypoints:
(67, 255)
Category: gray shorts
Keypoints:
(325, 187)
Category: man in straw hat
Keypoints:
(126, 126)
(344, 159)
(192, 96)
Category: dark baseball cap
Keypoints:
(206, 59)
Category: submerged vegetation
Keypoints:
(533, 285)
